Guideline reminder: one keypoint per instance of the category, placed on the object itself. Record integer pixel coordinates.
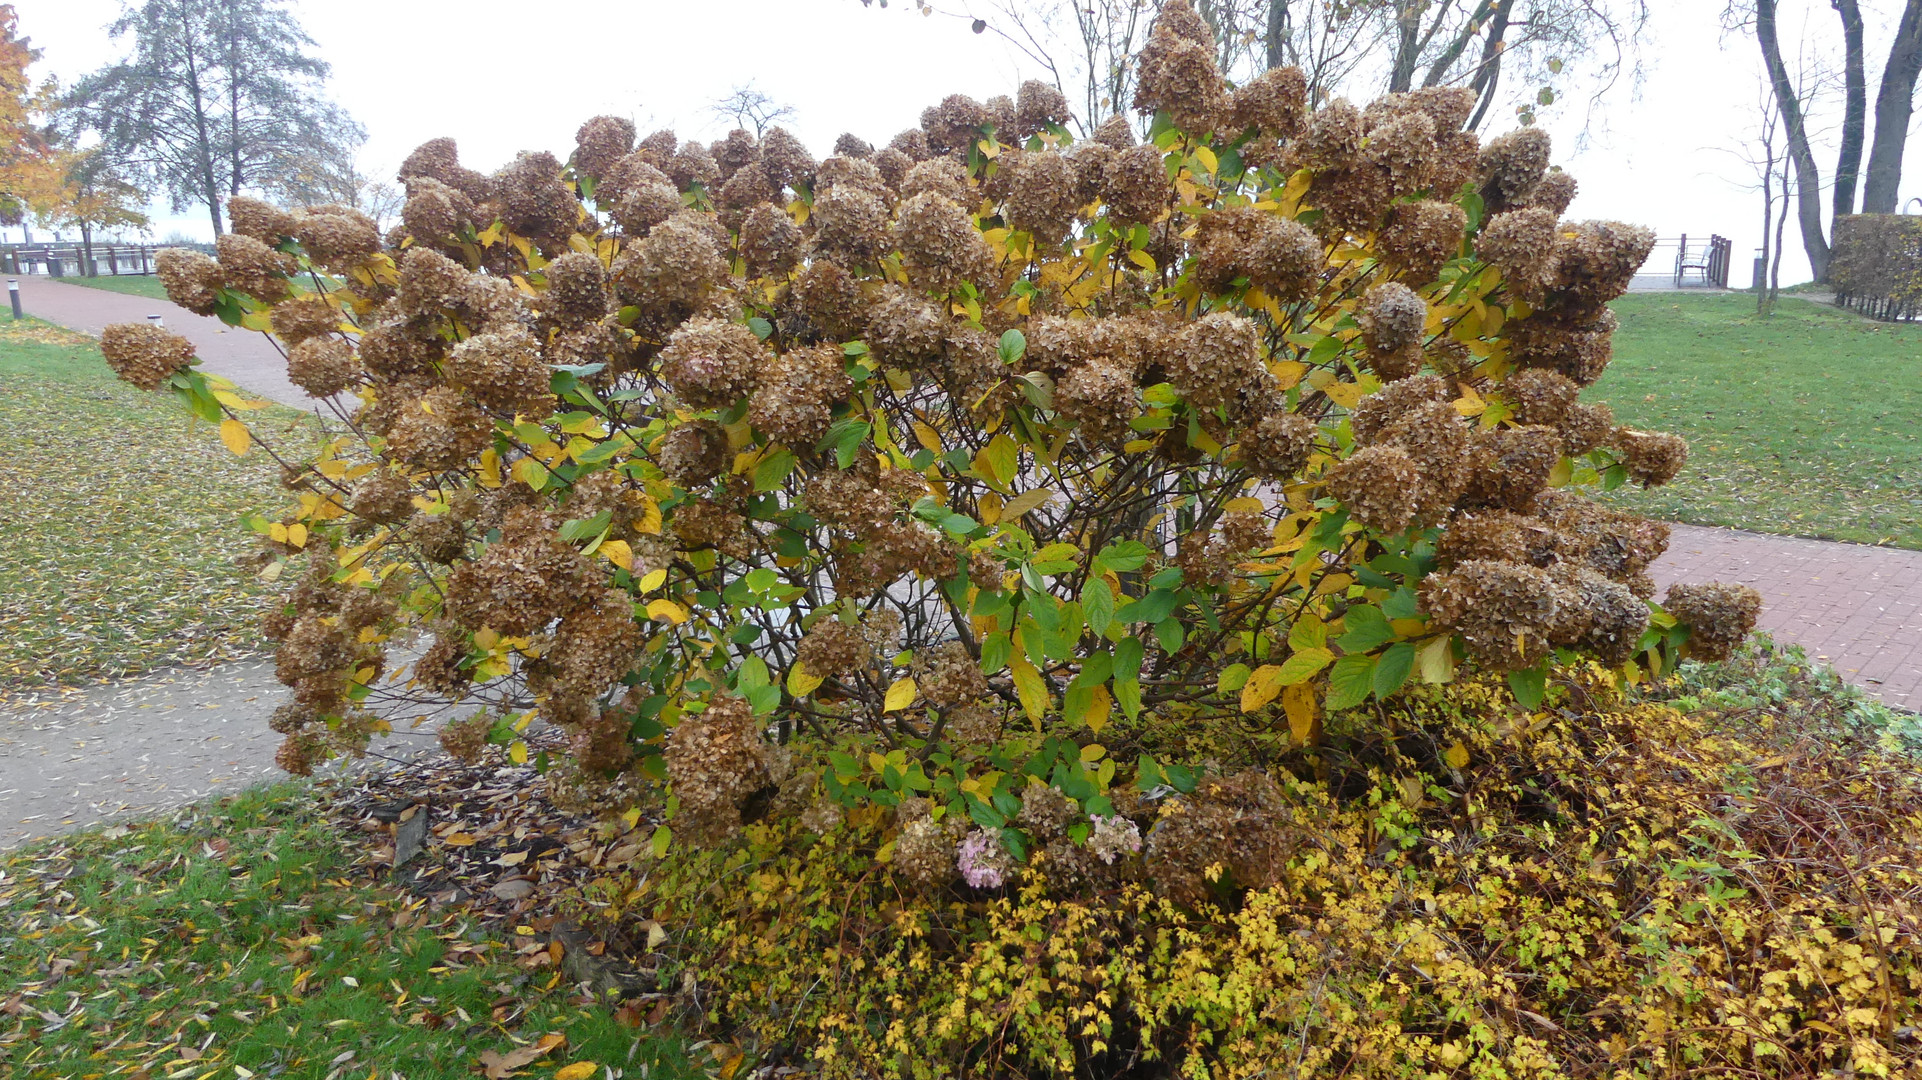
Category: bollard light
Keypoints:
(155, 320)
(13, 294)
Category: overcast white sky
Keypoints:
(502, 77)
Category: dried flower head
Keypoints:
(1512, 466)
(850, 226)
(1585, 427)
(264, 222)
(1136, 186)
(1216, 357)
(716, 759)
(939, 244)
(1554, 193)
(1041, 194)
(1511, 165)
(1502, 611)
(711, 363)
(795, 394)
(601, 142)
(1100, 398)
(322, 366)
(1652, 458)
(1718, 615)
(1392, 316)
(770, 241)
(1538, 396)
(503, 371)
(1277, 445)
(692, 166)
(1378, 485)
(252, 267)
(191, 279)
(948, 676)
(1421, 236)
(533, 200)
(905, 330)
(1521, 243)
(1274, 103)
(440, 430)
(144, 355)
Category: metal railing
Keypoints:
(71, 260)
(1683, 262)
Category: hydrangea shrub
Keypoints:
(896, 478)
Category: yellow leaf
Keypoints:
(801, 682)
(666, 610)
(297, 535)
(650, 523)
(900, 694)
(1436, 660)
(1100, 707)
(619, 553)
(235, 436)
(459, 839)
(1297, 186)
(1261, 688)
(1032, 499)
(989, 508)
(517, 752)
(1456, 756)
(1345, 394)
(1288, 374)
(490, 469)
(654, 579)
(277, 533)
(1030, 686)
(1299, 703)
(258, 321)
(929, 438)
(1470, 403)
(530, 472)
(580, 1070)
(1093, 752)
(1245, 504)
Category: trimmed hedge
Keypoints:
(1877, 264)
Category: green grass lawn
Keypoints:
(240, 938)
(132, 284)
(120, 533)
(1806, 423)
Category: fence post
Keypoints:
(13, 294)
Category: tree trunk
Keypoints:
(1407, 44)
(1808, 178)
(210, 188)
(1489, 72)
(1775, 263)
(87, 269)
(1848, 162)
(1277, 36)
(1894, 103)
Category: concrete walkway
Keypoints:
(129, 750)
(1854, 607)
(248, 358)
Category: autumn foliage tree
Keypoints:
(941, 477)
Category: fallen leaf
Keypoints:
(580, 1070)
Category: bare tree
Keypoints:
(1894, 104)
(1808, 176)
(750, 108)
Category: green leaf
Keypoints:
(1309, 632)
(1392, 670)
(1121, 557)
(1367, 628)
(844, 438)
(1127, 659)
(1014, 345)
(1352, 680)
(1097, 602)
(995, 650)
(1233, 678)
(1151, 608)
(761, 327)
(773, 469)
(1530, 685)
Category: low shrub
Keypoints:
(1878, 263)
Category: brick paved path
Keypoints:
(247, 358)
(1855, 607)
